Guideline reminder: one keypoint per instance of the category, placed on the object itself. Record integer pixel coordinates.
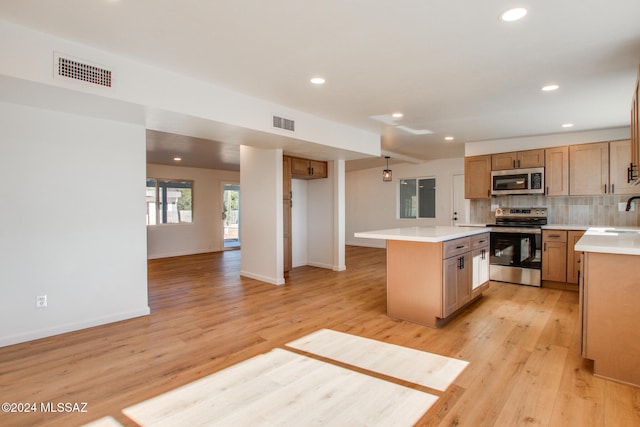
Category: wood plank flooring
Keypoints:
(522, 343)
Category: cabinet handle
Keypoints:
(544, 247)
(481, 241)
(546, 191)
(605, 189)
(459, 246)
(554, 235)
(613, 186)
(629, 179)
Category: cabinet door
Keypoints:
(463, 281)
(299, 166)
(318, 169)
(450, 285)
(530, 158)
(589, 169)
(619, 160)
(477, 177)
(286, 212)
(479, 267)
(554, 255)
(557, 171)
(573, 257)
(502, 161)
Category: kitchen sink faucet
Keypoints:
(631, 199)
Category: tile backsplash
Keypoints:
(571, 210)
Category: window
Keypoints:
(169, 201)
(417, 198)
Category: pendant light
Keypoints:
(386, 174)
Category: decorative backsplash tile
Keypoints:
(571, 210)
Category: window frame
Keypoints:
(161, 205)
(399, 199)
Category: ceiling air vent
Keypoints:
(282, 123)
(82, 71)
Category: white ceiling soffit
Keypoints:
(452, 68)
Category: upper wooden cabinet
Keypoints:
(619, 160)
(589, 169)
(634, 162)
(477, 177)
(556, 173)
(517, 159)
(308, 169)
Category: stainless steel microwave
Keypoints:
(517, 181)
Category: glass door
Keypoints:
(231, 215)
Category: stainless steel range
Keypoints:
(516, 245)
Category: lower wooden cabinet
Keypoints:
(554, 255)
(560, 262)
(429, 282)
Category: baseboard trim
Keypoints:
(270, 280)
(71, 327)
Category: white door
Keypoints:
(459, 205)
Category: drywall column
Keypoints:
(338, 215)
(261, 201)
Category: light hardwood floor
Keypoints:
(522, 344)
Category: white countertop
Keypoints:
(566, 227)
(611, 240)
(431, 234)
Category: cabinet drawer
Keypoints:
(456, 247)
(554, 236)
(479, 240)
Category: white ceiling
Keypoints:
(452, 67)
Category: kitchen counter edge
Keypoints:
(433, 234)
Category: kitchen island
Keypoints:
(433, 272)
(610, 301)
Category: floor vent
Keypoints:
(82, 71)
(282, 123)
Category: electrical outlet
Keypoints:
(41, 301)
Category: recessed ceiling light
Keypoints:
(177, 159)
(514, 14)
(550, 88)
(397, 115)
(567, 125)
(448, 138)
(317, 80)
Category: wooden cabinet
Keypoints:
(517, 159)
(286, 212)
(557, 171)
(307, 169)
(619, 161)
(560, 262)
(477, 177)
(589, 169)
(429, 282)
(573, 257)
(635, 132)
(456, 279)
(554, 255)
(609, 298)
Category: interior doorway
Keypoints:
(231, 215)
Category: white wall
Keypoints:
(371, 204)
(204, 234)
(73, 222)
(299, 223)
(262, 227)
(320, 217)
(175, 103)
